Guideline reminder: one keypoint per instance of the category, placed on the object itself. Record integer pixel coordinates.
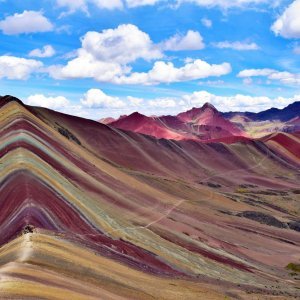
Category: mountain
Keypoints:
(209, 116)
(89, 211)
(270, 121)
(194, 115)
(153, 126)
(204, 124)
(107, 120)
(272, 114)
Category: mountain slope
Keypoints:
(285, 114)
(147, 125)
(91, 211)
(204, 124)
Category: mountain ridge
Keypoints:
(206, 123)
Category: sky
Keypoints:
(101, 58)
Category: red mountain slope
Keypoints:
(204, 123)
(153, 126)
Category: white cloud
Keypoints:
(163, 102)
(206, 22)
(212, 82)
(95, 98)
(96, 104)
(283, 77)
(255, 72)
(124, 44)
(73, 5)
(83, 5)
(58, 102)
(18, 68)
(108, 4)
(135, 101)
(26, 22)
(236, 102)
(226, 4)
(105, 55)
(241, 46)
(136, 3)
(76, 5)
(163, 72)
(85, 66)
(46, 51)
(191, 41)
(288, 24)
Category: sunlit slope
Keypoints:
(86, 209)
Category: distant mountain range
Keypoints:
(272, 114)
(207, 123)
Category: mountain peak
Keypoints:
(7, 98)
(136, 115)
(208, 105)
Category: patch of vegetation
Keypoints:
(262, 218)
(241, 190)
(211, 184)
(294, 225)
(28, 229)
(69, 135)
(293, 267)
(245, 186)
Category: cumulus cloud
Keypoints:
(18, 68)
(95, 98)
(255, 72)
(166, 72)
(85, 66)
(82, 5)
(163, 102)
(134, 101)
(288, 24)
(241, 46)
(124, 44)
(108, 4)
(236, 102)
(96, 103)
(26, 22)
(136, 3)
(46, 51)
(192, 40)
(105, 55)
(226, 4)
(73, 5)
(206, 22)
(58, 102)
(283, 77)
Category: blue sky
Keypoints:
(97, 58)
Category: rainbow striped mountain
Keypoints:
(94, 211)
